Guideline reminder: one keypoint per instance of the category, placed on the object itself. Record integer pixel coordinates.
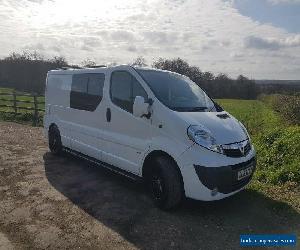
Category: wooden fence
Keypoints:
(16, 102)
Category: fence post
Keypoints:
(36, 113)
(15, 102)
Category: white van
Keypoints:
(149, 124)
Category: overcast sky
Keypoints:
(257, 38)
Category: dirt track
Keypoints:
(62, 202)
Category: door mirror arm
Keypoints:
(148, 116)
(149, 101)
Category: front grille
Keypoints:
(237, 149)
(247, 148)
(233, 152)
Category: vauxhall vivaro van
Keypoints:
(149, 124)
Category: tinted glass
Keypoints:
(124, 88)
(176, 91)
(79, 83)
(121, 90)
(95, 84)
(87, 91)
(137, 90)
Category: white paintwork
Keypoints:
(127, 139)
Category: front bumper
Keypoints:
(204, 171)
(225, 179)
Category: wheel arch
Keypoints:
(157, 153)
(53, 125)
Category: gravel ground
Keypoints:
(65, 203)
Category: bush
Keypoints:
(287, 105)
(279, 158)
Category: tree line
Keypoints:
(27, 72)
(219, 86)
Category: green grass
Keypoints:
(287, 105)
(9, 101)
(255, 115)
(277, 143)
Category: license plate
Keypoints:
(245, 173)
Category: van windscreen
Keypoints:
(177, 92)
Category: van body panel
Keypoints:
(125, 140)
(226, 130)
(197, 155)
(57, 103)
(127, 137)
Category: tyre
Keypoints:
(54, 138)
(165, 183)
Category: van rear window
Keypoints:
(87, 91)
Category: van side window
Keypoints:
(95, 85)
(138, 90)
(79, 83)
(123, 90)
(87, 91)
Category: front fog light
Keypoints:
(214, 191)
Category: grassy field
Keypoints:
(277, 144)
(19, 97)
(287, 105)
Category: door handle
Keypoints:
(108, 115)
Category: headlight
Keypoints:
(245, 130)
(204, 138)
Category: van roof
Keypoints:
(70, 70)
(99, 69)
(95, 69)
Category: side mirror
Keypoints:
(140, 107)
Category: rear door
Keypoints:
(128, 136)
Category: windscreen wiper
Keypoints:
(190, 109)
